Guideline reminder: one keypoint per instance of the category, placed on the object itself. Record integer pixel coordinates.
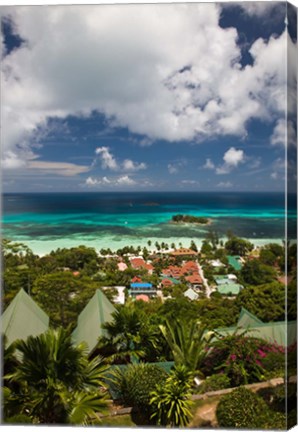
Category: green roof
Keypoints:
(281, 332)
(231, 288)
(23, 318)
(222, 279)
(247, 319)
(98, 311)
(234, 261)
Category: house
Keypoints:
(216, 263)
(190, 267)
(183, 252)
(89, 328)
(143, 297)
(195, 280)
(282, 333)
(23, 318)
(136, 279)
(142, 288)
(122, 266)
(120, 297)
(173, 271)
(235, 262)
(231, 289)
(191, 294)
(139, 263)
(168, 281)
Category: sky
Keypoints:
(160, 97)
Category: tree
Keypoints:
(58, 384)
(238, 246)
(187, 341)
(63, 295)
(266, 301)
(255, 273)
(193, 246)
(171, 400)
(129, 335)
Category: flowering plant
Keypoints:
(241, 357)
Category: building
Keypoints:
(235, 262)
(23, 318)
(230, 289)
(142, 288)
(89, 328)
(183, 252)
(191, 294)
(195, 281)
(139, 263)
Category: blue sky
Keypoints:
(111, 98)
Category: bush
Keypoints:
(135, 383)
(215, 382)
(244, 409)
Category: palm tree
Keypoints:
(171, 401)
(129, 336)
(187, 341)
(58, 384)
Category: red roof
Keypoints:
(137, 262)
(166, 282)
(142, 297)
(140, 263)
(136, 279)
(194, 279)
(190, 266)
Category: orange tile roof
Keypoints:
(166, 282)
(183, 251)
(143, 297)
(194, 279)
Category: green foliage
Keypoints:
(190, 219)
(244, 409)
(76, 258)
(62, 295)
(187, 341)
(215, 382)
(57, 382)
(130, 335)
(255, 273)
(215, 312)
(266, 301)
(170, 401)
(134, 384)
(238, 246)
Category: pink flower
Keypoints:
(233, 357)
(261, 353)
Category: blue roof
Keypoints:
(141, 285)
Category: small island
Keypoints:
(190, 219)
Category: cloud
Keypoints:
(175, 167)
(279, 167)
(107, 159)
(209, 164)
(129, 165)
(226, 184)
(232, 158)
(133, 75)
(124, 180)
(60, 168)
(189, 182)
(284, 132)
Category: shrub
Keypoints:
(243, 409)
(215, 382)
(135, 383)
(242, 358)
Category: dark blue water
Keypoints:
(140, 216)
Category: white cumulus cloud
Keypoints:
(122, 61)
(107, 159)
(232, 158)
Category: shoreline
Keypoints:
(44, 247)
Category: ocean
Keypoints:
(46, 221)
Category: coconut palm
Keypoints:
(58, 384)
(129, 335)
(187, 341)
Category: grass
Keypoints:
(117, 421)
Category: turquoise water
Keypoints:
(115, 220)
